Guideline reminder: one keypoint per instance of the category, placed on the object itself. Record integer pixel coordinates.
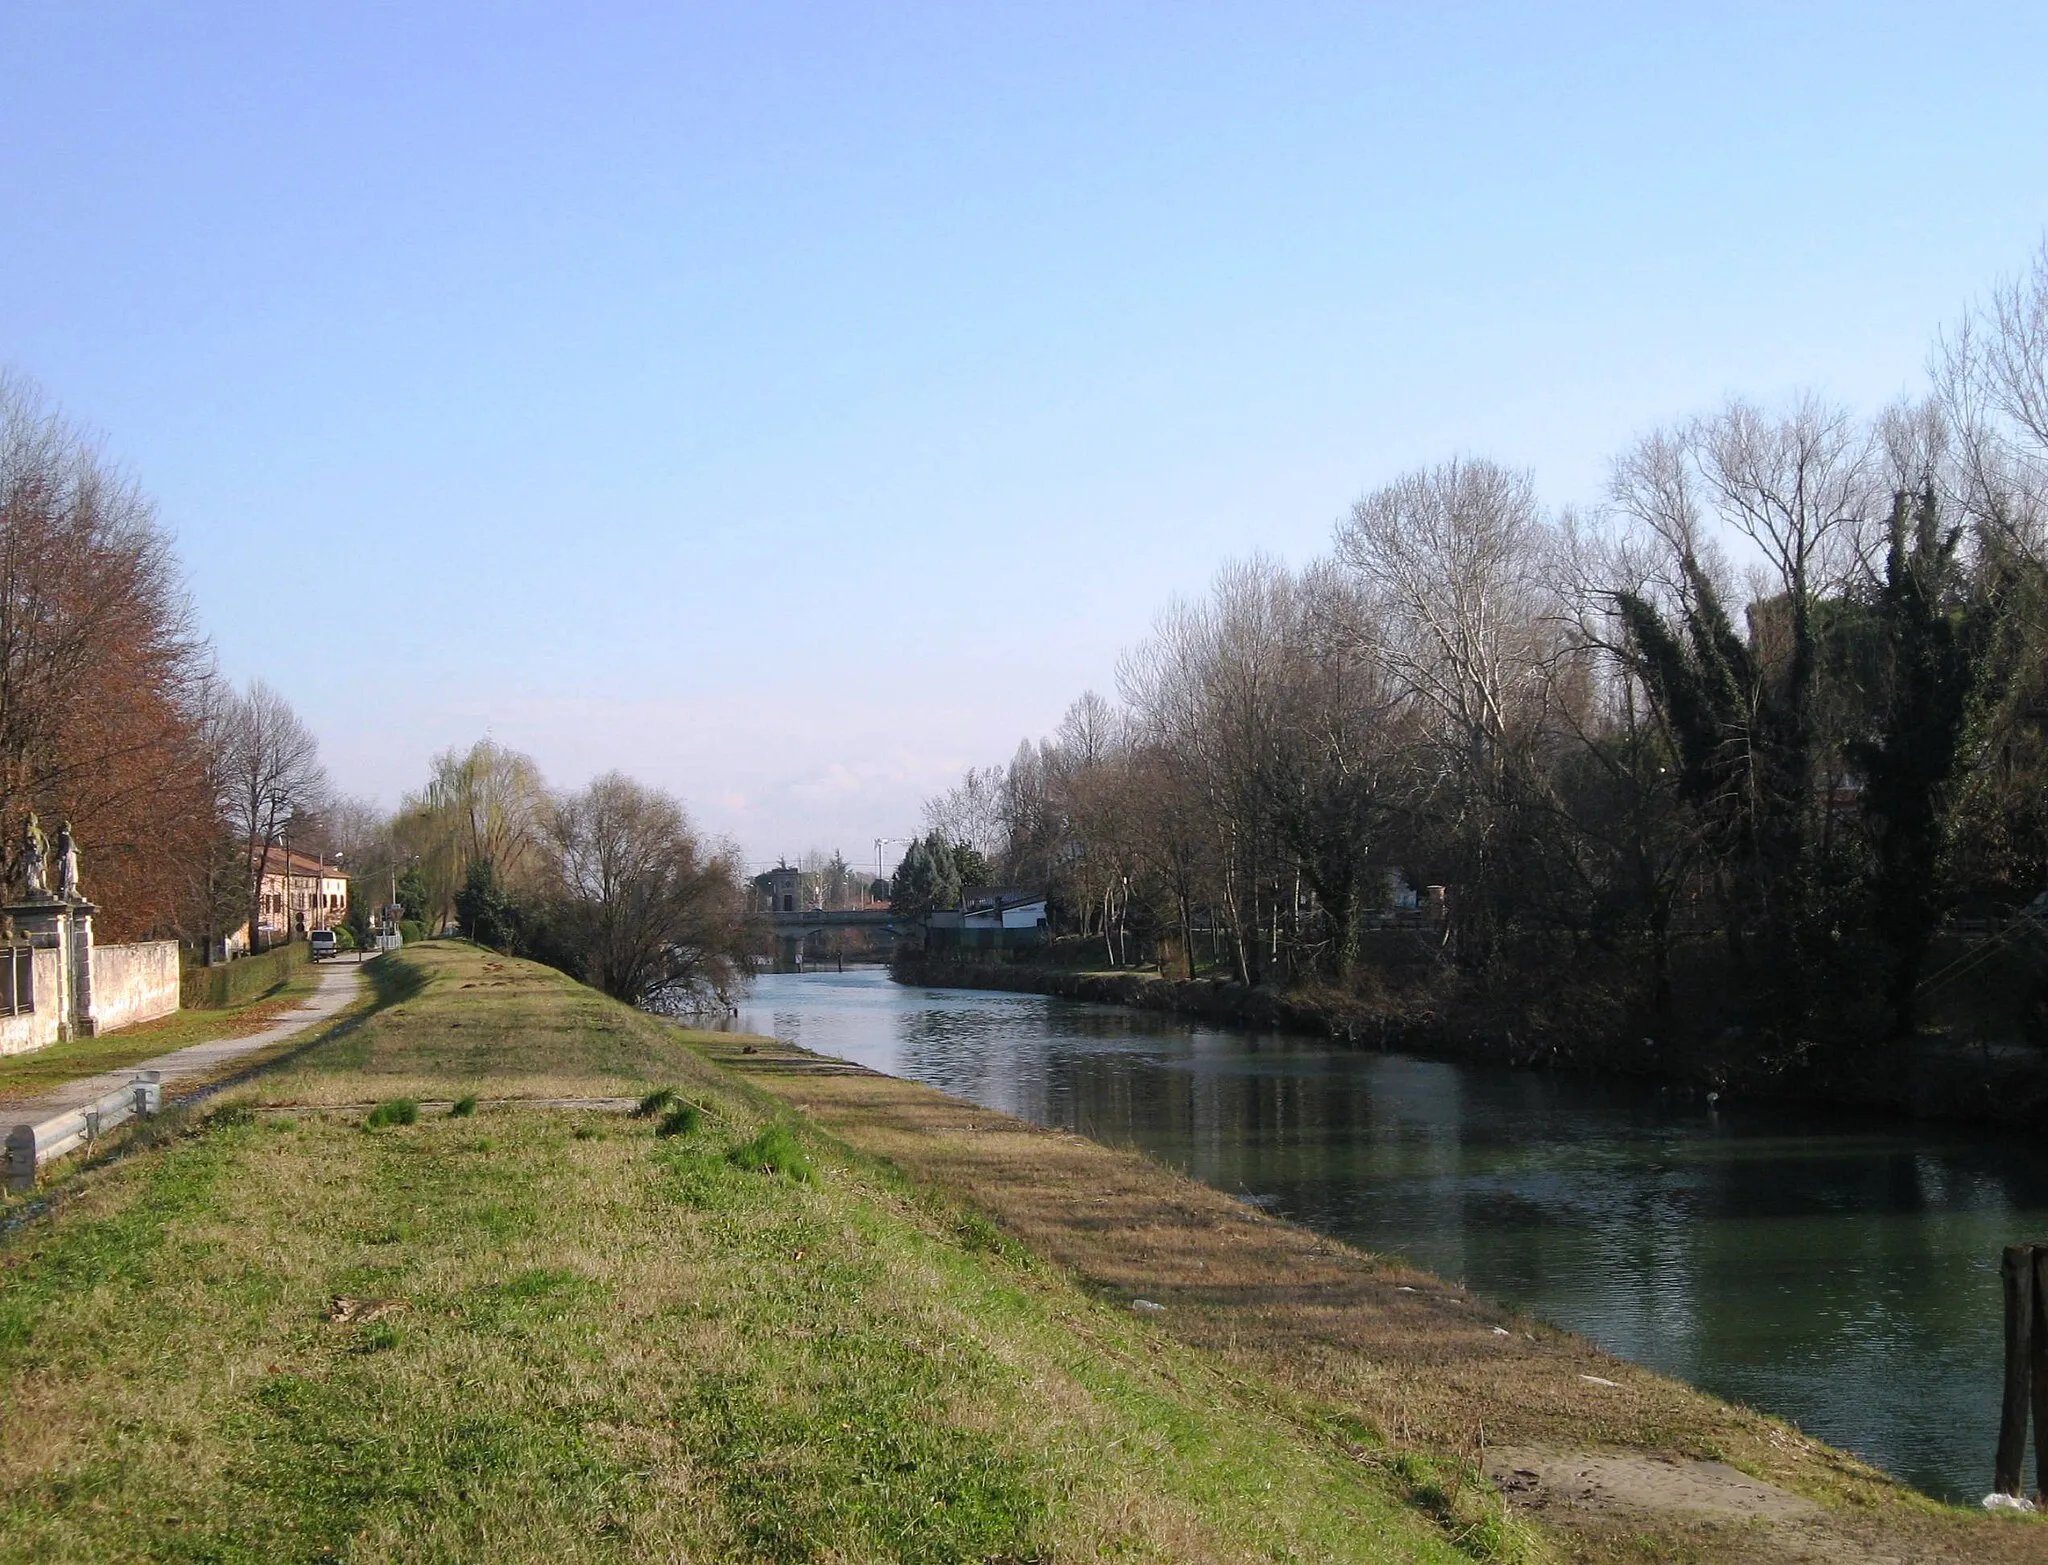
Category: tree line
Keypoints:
(1722, 753)
(113, 715)
(180, 786)
(610, 882)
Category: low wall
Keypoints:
(38, 1028)
(133, 984)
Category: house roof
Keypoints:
(972, 897)
(273, 858)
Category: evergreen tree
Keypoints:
(487, 914)
(413, 895)
(927, 879)
(970, 868)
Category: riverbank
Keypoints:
(506, 1319)
(1942, 1076)
(828, 1314)
(1606, 1460)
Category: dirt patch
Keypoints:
(1626, 1481)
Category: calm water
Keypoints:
(1839, 1272)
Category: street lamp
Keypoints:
(887, 842)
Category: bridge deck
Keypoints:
(848, 918)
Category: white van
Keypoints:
(323, 943)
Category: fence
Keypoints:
(231, 983)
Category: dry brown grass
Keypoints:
(1420, 1362)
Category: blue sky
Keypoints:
(792, 405)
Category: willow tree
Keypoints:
(487, 804)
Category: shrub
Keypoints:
(462, 1108)
(399, 1111)
(411, 931)
(682, 1120)
(775, 1151)
(232, 983)
(655, 1101)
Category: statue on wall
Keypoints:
(67, 865)
(35, 849)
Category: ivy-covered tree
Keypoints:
(1933, 634)
(1741, 740)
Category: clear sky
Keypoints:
(791, 405)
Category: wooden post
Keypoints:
(2017, 1272)
(2039, 1367)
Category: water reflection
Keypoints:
(1839, 1272)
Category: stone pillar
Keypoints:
(82, 1019)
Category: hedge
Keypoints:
(232, 983)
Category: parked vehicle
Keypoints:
(323, 943)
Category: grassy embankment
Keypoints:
(25, 1075)
(541, 1333)
(1430, 1373)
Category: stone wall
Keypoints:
(38, 1028)
(132, 984)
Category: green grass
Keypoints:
(776, 1150)
(398, 1111)
(620, 1346)
(654, 1102)
(681, 1120)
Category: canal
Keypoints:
(1838, 1271)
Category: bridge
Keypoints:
(793, 928)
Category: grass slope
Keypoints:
(536, 1334)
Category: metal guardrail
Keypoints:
(32, 1144)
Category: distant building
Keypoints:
(787, 890)
(1001, 907)
(295, 895)
(1003, 918)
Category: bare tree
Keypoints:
(1454, 558)
(270, 773)
(971, 811)
(653, 915)
(1798, 486)
(1991, 379)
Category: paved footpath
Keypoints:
(341, 983)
